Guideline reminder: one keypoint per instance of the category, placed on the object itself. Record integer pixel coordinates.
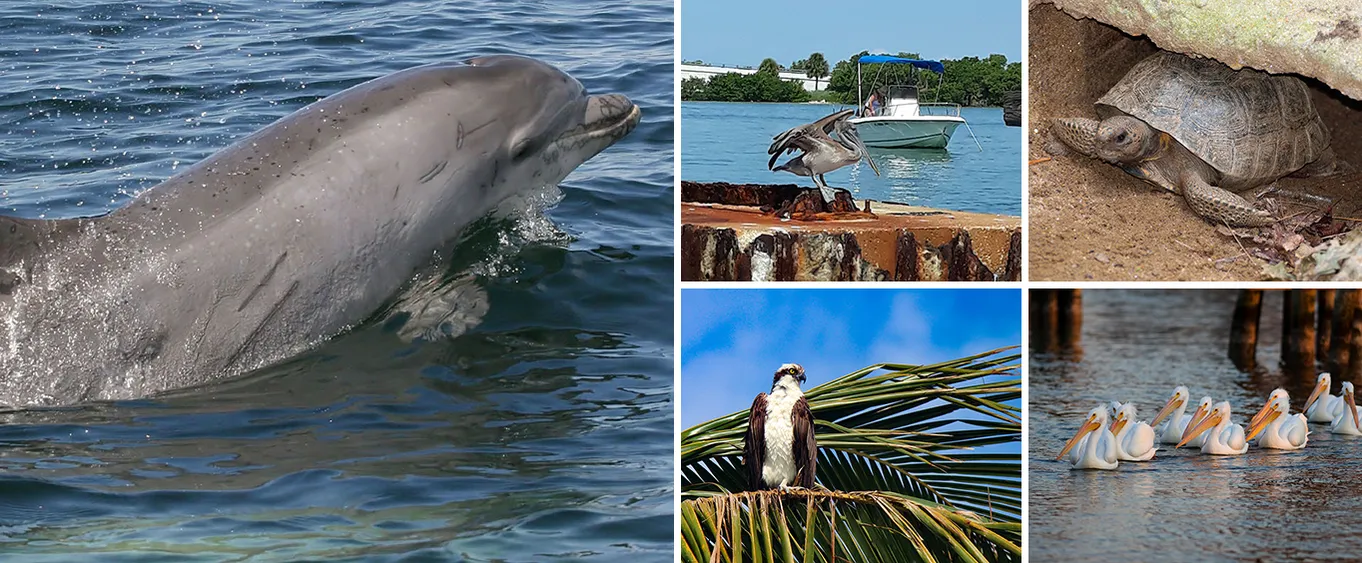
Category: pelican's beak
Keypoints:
(1320, 389)
(1352, 409)
(1207, 423)
(1168, 408)
(1261, 413)
(1197, 415)
(856, 139)
(1120, 423)
(1261, 421)
(1089, 426)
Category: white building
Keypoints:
(706, 71)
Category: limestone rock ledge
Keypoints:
(1316, 38)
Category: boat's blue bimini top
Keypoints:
(934, 66)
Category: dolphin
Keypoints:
(288, 237)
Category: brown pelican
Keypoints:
(822, 153)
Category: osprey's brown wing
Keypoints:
(754, 445)
(805, 446)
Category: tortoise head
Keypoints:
(1125, 140)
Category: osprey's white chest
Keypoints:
(779, 469)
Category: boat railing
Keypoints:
(939, 108)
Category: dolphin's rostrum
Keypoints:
(287, 237)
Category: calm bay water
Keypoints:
(545, 433)
(727, 142)
(1265, 505)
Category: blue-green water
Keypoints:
(545, 433)
(1265, 505)
(727, 142)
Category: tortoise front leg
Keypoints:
(1221, 205)
(1077, 133)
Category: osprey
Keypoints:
(780, 451)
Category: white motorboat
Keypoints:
(902, 122)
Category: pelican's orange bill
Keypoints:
(1261, 413)
(1120, 423)
(1168, 408)
(1197, 417)
(1320, 389)
(1087, 427)
(1206, 424)
(1262, 421)
(1352, 408)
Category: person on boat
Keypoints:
(872, 104)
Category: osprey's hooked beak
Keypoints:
(792, 371)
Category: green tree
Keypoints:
(769, 66)
(968, 81)
(899, 473)
(693, 89)
(816, 67)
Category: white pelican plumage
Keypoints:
(1096, 445)
(1134, 440)
(1345, 420)
(1321, 406)
(1170, 432)
(1280, 430)
(1203, 409)
(1223, 437)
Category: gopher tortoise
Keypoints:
(1197, 127)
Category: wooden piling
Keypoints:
(1324, 325)
(1056, 319)
(1298, 350)
(1341, 347)
(1044, 308)
(1070, 302)
(1244, 329)
(1354, 339)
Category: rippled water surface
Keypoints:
(544, 433)
(727, 142)
(1265, 505)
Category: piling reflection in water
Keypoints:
(1183, 505)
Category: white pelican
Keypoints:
(1203, 409)
(1280, 430)
(1322, 407)
(1223, 438)
(1345, 420)
(1097, 446)
(1134, 440)
(1171, 432)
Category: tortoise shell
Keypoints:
(1251, 126)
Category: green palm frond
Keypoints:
(897, 453)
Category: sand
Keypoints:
(1091, 221)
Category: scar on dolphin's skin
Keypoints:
(433, 172)
(263, 281)
(255, 333)
(458, 143)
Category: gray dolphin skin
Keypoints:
(289, 236)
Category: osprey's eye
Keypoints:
(791, 371)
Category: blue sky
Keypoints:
(732, 340)
(743, 32)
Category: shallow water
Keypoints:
(544, 433)
(727, 142)
(1265, 505)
